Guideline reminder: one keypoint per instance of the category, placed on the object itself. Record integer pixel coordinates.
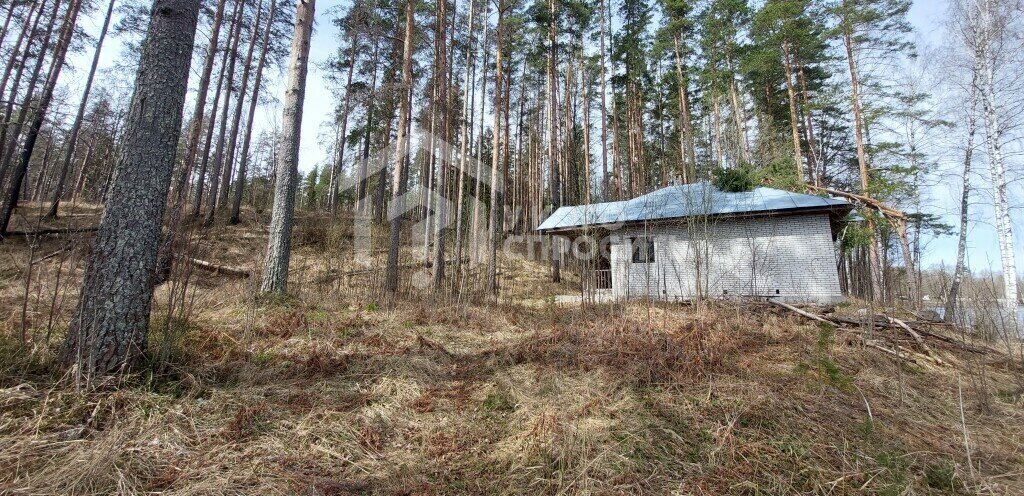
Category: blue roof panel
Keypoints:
(686, 200)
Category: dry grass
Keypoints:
(334, 392)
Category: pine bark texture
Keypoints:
(109, 326)
(275, 270)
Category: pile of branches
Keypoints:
(918, 332)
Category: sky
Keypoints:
(925, 15)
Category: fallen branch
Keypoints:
(804, 313)
(839, 321)
(870, 202)
(50, 232)
(917, 337)
(219, 269)
(878, 346)
(885, 323)
(47, 257)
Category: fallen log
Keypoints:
(219, 269)
(917, 327)
(872, 343)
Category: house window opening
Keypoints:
(643, 250)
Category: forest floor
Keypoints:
(332, 391)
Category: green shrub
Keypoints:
(737, 179)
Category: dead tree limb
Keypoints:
(869, 202)
(920, 341)
(47, 257)
(872, 343)
(889, 322)
(803, 313)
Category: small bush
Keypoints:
(939, 476)
(498, 402)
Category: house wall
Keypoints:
(789, 257)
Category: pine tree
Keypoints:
(275, 271)
(109, 326)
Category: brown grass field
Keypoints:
(336, 391)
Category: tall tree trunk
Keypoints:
(243, 160)
(7, 23)
(474, 245)
(716, 129)
(275, 271)
(28, 27)
(556, 261)
(496, 201)
(43, 167)
(401, 155)
(109, 326)
(877, 290)
(686, 145)
(9, 137)
(218, 154)
(362, 175)
(585, 81)
(442, 110)
(204, 159)
(332, 191)
(739, 116)
(59, 54)
(180, 185)
(380, 189)
(997, 168)
(198, 112)
(604, 110)
(812, 149)
(236, 120)
(965, 196)
(467, 110)
(80, 180)
(76, 127)
(787, 64)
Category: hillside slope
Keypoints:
(334, 392)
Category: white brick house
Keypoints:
(680, 242)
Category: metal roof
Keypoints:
(688, 200)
